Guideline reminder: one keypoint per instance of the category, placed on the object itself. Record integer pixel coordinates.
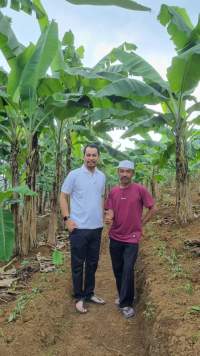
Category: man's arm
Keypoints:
(64, 204)
(103, 207)
(151, 211)
(64, 207)
(109, 212)
(109, 215)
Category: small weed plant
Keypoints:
(172, 260)
(188, 288)
(23, 300)
(195, 309)
(149, 312)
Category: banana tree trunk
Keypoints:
(69, 152)
(153, 184)
(40, 201)
(54, 201)
(53, 216)
(44, 202)
(55, 193)
(5, 183)
(183, 196)
(15, 182)
(68, 157)
(147, 184)
(29, 235)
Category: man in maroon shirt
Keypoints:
(124, 208)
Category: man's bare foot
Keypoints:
(80, 307)
(96, 299)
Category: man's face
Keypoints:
(91, 157)
(125, 175)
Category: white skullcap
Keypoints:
(126, 164)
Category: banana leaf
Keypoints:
(7, 235)
(127, 4)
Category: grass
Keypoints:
(21, 303)
(1, 333)
(195, 337)
(195, 309)
(150, 310)
(171, 258)
(1, 312)
(161, 250)
(188, 288)
(25, 262)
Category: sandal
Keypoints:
(128, 312)
(80, 307)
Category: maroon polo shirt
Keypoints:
(127, 205)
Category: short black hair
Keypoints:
(92, 145)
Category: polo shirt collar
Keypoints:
(87, 170)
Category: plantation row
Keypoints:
(51, 105)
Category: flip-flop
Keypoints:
(80, 307)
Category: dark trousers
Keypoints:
(123, 257)
(85, 247)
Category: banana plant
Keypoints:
(28, 66)
(7, 235)
(126, 4)
(151, 157)
(183, 76)
(29, 6)
(7, 226)
(173, 95)
(34, 98)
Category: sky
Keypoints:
(99, 29)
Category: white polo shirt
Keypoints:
(86, 190)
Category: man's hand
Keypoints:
(71, 225)
(142, 233)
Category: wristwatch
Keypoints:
(65, 218)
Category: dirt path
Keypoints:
(165, 322)
(49, 326)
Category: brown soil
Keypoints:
(51, 326)
(172, 275)
(167, 287)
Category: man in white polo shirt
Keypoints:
(85, 186)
